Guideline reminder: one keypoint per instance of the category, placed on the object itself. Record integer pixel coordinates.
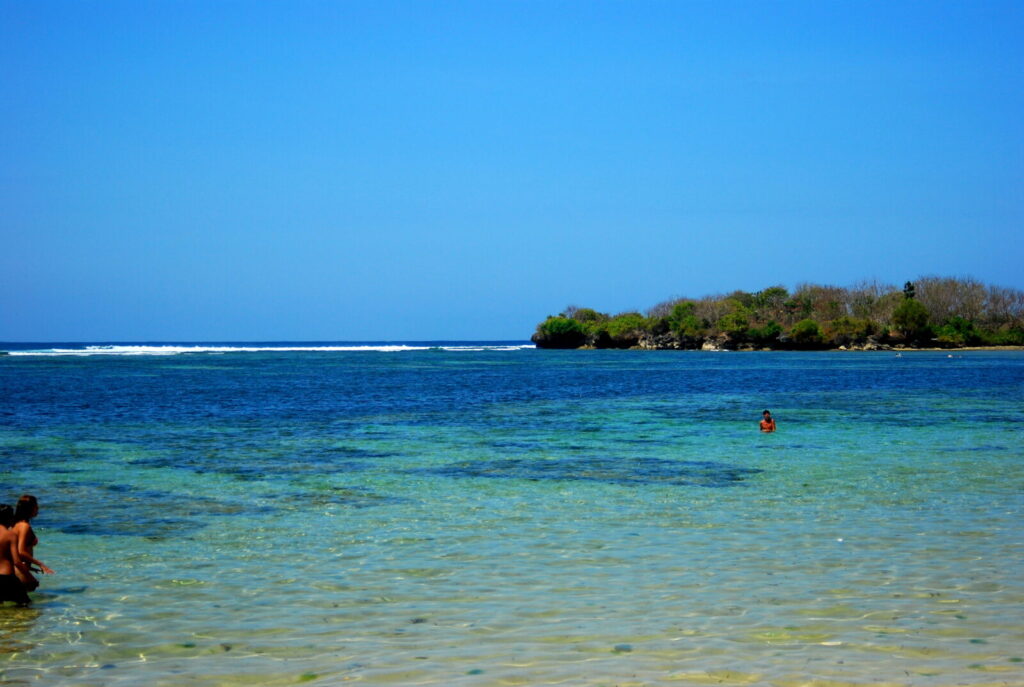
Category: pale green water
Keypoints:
(520, 518)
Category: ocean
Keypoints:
(486, 513)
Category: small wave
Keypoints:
(515, 347)
(172, 349)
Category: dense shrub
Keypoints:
(736, 322)
(767, 335)
(560, 332)
(911, 319)
(683, 321)
(957, 331)
(1005, 337)
(585, 316)
(625, 330)
(845, 331)
(806, 333)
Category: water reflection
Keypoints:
(15, 622)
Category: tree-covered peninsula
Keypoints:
(930, 312)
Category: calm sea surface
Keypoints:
(499, 515)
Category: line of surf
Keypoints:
(172, 349)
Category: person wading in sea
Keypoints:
(11, 588)
(27, 509)
(767, 422)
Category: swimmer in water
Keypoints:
(11, 588)
(767, 422)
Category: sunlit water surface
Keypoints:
(518, 517)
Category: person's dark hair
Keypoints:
(6, 515)
(766, 412)
(26, 508)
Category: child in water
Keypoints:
(767, 422)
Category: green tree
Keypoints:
(767, 335)
(684, 322)
(736, 321)
(585, 315)
(657, 325)
(910, 318)
(743, 299)
(625, 330)
(806, 333)
(797, 306)
(1013, 336)
(770, 303)
(735, 324)
(958, 332)
(844, 331)
(560, 332)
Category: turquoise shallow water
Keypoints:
(518, 517)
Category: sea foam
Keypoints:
(179, 349)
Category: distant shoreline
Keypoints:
(931, 313)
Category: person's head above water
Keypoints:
(26, 509)
(767, 413)
(6, 515)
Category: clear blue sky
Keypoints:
(458, 170)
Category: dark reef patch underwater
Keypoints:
(608, 469)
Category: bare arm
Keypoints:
(23, 553)
(15, 556)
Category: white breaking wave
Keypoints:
(171, 349)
